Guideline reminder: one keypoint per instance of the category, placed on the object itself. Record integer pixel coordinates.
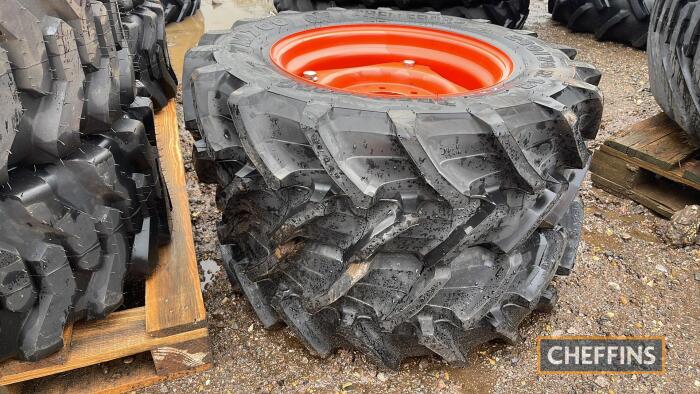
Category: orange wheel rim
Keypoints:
(391, 60)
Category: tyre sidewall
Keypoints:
(538, 68)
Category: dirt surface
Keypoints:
(626, 282)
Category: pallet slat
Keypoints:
(652, 163)
(120, 335)
(174, 300)
(655, 140)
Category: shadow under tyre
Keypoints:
(82, 205)
(674, 63)
(508, 13)
(402, 201)
(624, 21)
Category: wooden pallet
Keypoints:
(171, 326)
(652, 163)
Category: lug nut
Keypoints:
(310, 75)
(409, 63)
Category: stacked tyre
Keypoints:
(674, 62)
(362, 217)
(177, 10)
(143, 23)
(82, 204)
(508, 13)
(624, 21)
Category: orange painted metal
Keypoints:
(391, 60)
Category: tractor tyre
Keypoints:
(178, 10)
(674, 63)
(624, 21)
(508, 13)
(83, 207)
(144, 30)
(369, 219)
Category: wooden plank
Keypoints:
(691, 171)
(670, 196)
(12, 367)
(675, 174)
(667, 152)
(12, 389)
(641, 133)
(658, 194)
(139, 374)
(119, 335)
(623, 192)
(657, 140)
(612, 168)
(174, 300)
(183, 356)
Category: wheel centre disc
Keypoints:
(391, 60)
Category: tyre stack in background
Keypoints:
(83, 207)
(508, 13)
(144, 30)
(398, 227)
(624, 21)
(177, 10)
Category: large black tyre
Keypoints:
(398, 227)
(624, 21)
(508, 13)
(72, 233)
(177, 10)
(674, 62)
(82, 204)
(144, 22)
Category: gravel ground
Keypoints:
(626, 282)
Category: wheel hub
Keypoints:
(391, 60)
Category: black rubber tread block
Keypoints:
(10, 114)
(204, 165)
(79, 14)
(144, 28)
(82, 202)
(142, 110)
(75, 227)
(65, 73)
(508, 13)
(624, 21)
(398, 227)
(102, 87)
(23, 39)
(198, 56)
(177, 10)
(115, 23)
(128, 140)
(674, 62)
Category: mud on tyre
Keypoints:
(674, 63)
(400, 227)
(624, 21)
(508, 13)
(82, 204)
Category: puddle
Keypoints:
(209, 268)
(629, 220)
(474, 378)
(212, 15)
